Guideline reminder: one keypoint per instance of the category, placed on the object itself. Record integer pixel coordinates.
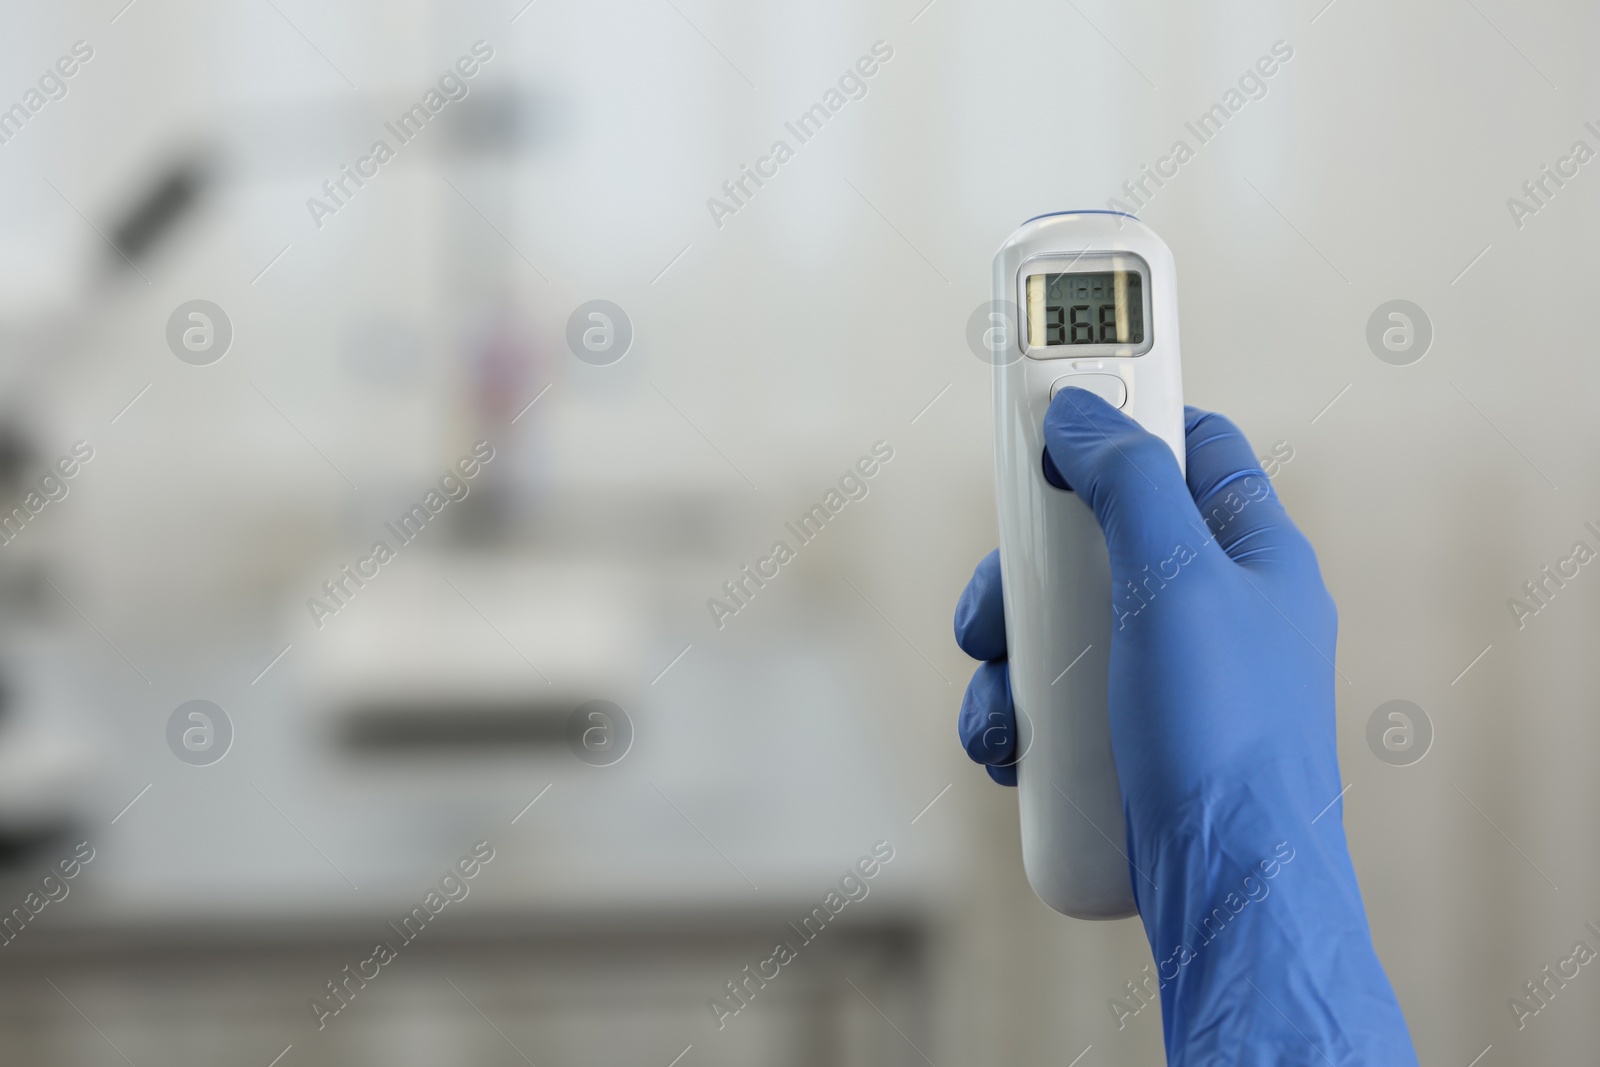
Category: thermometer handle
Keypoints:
(1057, 579)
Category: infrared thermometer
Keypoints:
(1095, 303)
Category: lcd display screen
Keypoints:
(1085, 308)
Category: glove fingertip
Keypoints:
(1006, 775)
(980, 620)
(986, 724)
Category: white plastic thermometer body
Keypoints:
(1096, 304)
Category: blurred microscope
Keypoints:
(47, 751)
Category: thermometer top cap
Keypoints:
(1081, 211)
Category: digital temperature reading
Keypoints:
(1085, 308)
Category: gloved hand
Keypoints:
(1221, 697)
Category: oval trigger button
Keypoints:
(1108, 387)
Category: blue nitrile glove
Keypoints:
(1222, 726)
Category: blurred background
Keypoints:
(357, 341)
